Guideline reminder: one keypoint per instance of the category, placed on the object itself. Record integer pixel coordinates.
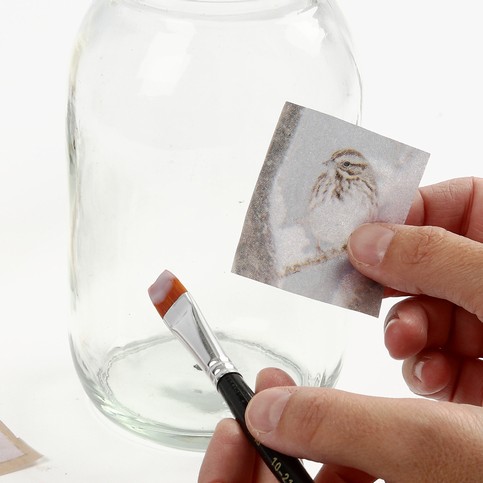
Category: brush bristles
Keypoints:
(165, 291)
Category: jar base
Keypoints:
(153, 388)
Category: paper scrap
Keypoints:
(322, 177)
(14, 453)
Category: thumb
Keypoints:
(421, 260)
(394, 439)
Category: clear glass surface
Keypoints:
(172, 106)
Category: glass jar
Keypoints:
(172, 105)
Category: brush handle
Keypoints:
(236, 393)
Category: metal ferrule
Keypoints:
(187, 322)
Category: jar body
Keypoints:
(170, 115)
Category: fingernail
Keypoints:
(418, 370)
(266, 408)
(368, 243)
(390, 323)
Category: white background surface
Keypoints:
(420, 63)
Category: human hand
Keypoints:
(439, 331)
(359, 438)
(439, 334)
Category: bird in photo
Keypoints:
(343, 197)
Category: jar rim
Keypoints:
(209, 8)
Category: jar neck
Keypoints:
(226, 8)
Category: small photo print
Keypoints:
(322, 178)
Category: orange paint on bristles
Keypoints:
(165, 291)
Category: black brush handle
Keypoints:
(236, 393)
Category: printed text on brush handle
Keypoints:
(276, 465)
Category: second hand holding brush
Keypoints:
(182, 316)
